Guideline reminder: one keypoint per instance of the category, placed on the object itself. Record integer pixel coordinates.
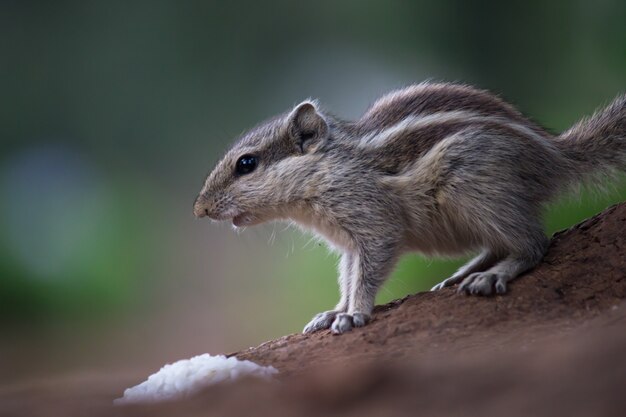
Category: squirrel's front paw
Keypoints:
(344, 322)
(321, 321)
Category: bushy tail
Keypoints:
(595, 147)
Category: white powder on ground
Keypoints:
(188, 376)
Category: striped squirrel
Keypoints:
(437, 168)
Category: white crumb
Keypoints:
(188, 376)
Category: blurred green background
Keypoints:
(112, 113)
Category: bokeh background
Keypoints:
(112, 113)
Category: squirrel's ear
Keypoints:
(307, 127)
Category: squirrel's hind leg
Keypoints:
(481, 262)
(497, 277)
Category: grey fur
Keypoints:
(442, 169)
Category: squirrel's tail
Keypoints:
(595, 147)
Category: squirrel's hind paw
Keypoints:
(448, 282)
(483, 283)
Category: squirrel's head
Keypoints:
(258, 177)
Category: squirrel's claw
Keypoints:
(344, 322)
(321, 321)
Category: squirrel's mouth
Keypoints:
(244, 219)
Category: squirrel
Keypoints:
(437, 168)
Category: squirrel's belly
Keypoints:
(438, 238)
(439, 247)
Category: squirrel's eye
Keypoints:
(246, 164)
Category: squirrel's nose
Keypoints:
(199, 208)
(200, 212)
